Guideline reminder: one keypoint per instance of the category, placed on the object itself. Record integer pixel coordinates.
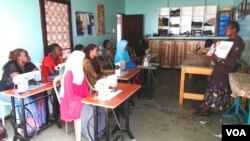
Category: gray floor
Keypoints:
(160, 119)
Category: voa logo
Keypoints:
(236, 132)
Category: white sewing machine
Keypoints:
(119, 68)
(146, 58)
(103, 87)
(22, 80)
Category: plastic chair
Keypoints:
(77, 122)
(2, 104)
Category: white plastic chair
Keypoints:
(77, 122)
(2, 104)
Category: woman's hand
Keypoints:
(216, 59)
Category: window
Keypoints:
(56, 24)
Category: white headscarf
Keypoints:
(74, 63)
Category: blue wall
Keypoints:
(20, 25)
(150, 9)
(112, 7)
(245, 34)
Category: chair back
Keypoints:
(57, 80)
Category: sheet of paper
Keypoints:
(223, 49)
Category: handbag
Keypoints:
(3, 132)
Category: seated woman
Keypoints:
(20, 63)
(52, 59)
(123, 55)
(73, 89)
(79, 47)
(109, 53)
(92, 68)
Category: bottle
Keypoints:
(192, 32)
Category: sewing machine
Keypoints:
(22, 80)
(103, 85)
(119, 68)
(146, 58)
(59, 66)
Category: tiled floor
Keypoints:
(160, 119)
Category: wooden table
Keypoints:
(127, 91)
(131, 73)
(13, 94)
(194, 64)
(149, 84)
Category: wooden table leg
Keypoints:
(182, 81)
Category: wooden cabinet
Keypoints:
(179, 52)
(173, 52)
(154, 46)
(166, 54)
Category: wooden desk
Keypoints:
(194, 64)
(13, 95)
(12, 92)
(149, 85)
(131, 73)
(127, 91)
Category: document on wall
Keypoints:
(220, 49)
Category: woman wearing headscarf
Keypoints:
(74, 88)
(123, 55)
(19, 63)
(217, 97)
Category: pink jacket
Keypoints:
(70, 105)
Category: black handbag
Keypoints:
(3, 133)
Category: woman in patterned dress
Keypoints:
(217, 96)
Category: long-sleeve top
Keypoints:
(70, 105)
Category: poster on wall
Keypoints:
(240, 10)
(85, 25)
(100, 19)
(247, 8)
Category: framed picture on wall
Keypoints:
(240, 10)
(85, 25)
(247, 10)
(244, 7)
(100, 19)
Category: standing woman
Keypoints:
(217, 97)
(20, 63)
(52, 59)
